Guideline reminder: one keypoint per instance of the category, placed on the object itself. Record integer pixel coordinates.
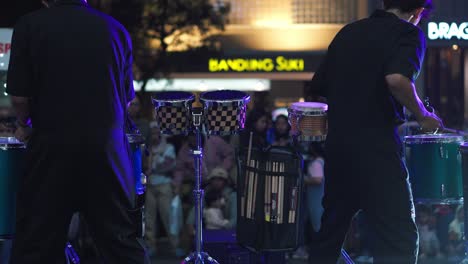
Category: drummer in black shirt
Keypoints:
(368, 77)
(70, 78)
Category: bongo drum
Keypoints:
(173, 112)
(434, 166)
(308, 121)
(224, 111)
(12, 155)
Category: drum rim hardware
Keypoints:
(433, 138)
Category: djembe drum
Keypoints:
(308, 121)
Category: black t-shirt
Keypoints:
(75, 64)
(352, 76)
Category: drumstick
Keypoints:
(250, 147)
(255, 189)
(281, 195)
(274, 195)
(267, 191)
(250, 191)
(246, 181)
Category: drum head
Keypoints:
(173, 97)
(224, 95)
(433, 138)
(11, 143)
(309, 107)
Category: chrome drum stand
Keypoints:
(198, 257)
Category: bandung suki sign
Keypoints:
(5, 47)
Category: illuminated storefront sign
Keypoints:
(446, 31)
(5, 47)
(276, 64)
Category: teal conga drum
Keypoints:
(137, 145)
(434, 165)
(12, 153)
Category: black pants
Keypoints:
(62, 178)
(373, 179)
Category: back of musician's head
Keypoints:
(408, 6)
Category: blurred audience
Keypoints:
(456, 234)
(160, 191)
(429, 245)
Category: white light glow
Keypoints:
(274, 23)
(204, 85)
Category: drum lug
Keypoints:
(443, 192)
(442, 152)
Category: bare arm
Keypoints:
(404, 91)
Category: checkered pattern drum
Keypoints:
(224, 111)
(173, 120)
(225, 119)
(173, 112)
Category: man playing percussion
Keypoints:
(368, 77)
(70, 78)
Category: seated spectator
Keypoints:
(213, 213)
(218, 181)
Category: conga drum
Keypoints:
(137, 145)
(12, 157)
(308, 121)
(434, 166)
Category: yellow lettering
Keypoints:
(301, 65)
(223, 66)
(268, 65)
(251, 65)
(282, 63)
(213, 65)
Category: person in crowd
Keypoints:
(257, 126)
(429, 245)
(456, 233)
(142, 123)
(281, 131)
(314, 182)
(380, 58)
(159, 191)
(78, 157)
(218, 181)
(139, 124)
(213, 212)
